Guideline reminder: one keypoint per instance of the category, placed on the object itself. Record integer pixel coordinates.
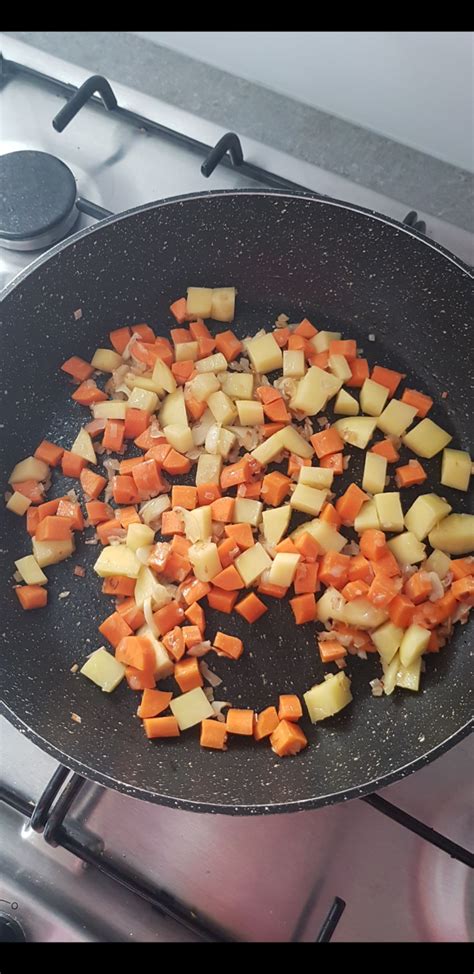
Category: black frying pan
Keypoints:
(346, 269)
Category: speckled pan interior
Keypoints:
(342, 267)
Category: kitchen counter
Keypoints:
(419, 180)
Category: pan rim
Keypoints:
(98, 777)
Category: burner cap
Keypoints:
(37, 197)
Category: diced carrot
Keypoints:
(164, 351)
(192, 636)
(252, 491)
(330, 514)
(418, 399)
(267, 394)
(281, 336)
(233, 474)
(145, 352)
(173, 641)
(193, 590)
(186, 497)
(136, 422)
(387, 377)
(88, 393)
(92, 483)
(459, 567)
(114, 628)
(180, 336)
(347, 348)
(158, 556)
(446, 605)
(221, 600)
(427, 614)
(107, 529)
(326, 442)
(231, 646)
(275, 487)
(53, 529)
(199, 330)
(146, 441)
(409, 475)
(289, 707)
(78, 368)
(240, 721)
(71, 510)
(265, 723)
(158, 453)
(32, 520)
(175, 463)
(434, 644)
(207, 493)
(171, 523)
(418, 587)
(139, 679)
(222, 509)
(148, 482)
(304, 608)
(183, 371)
(287, 546)
(127, 515)
(251, 608)
(161, 727)
(321, 359)
(268, 588)
(213, 734)
(372, 544)
(188, 675)
(229, 345)
(136, 651)
(206, 347)
(306, 578)
(334, 569)
(382, 590)
(125, 490)
(349, 505)
(178, 310)
(119, 338)
(113, 435)
(355, 590)
(386, 565)
(331, 650)
(153, 703)
(126, 466)
(49, 453)
(228, 579)
(276, 411)
(297, 343)
(287, 738)
(463, 589)
(334, 462)
(306, 329)
(195, 614)
(359, 373)
(195, 409)
(177, 567)
(268, 429)
(227, 550)
(31, 596)
(168, 617)
(241, 534)
(72, 464)
(360, 569)
(308, 547)
(131, 612)
(118, 585)
(49, 508)
(295, 463)
(386, 449)
(146, 333)
(180, 545)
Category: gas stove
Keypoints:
(80, 862)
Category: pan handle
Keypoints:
(92, 209)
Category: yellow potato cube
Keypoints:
(408, 677)
(325, 534)
(407, 549)
(362, 614)
(294, 363)
(427, 439)
(275, 523)
(142, 382)
(30, 571)
(367, 518)
(116, 560)
(372, 397)
(454, 534)
(18, 503)
(328, 698)
(186, 351)
(345, 404)
(283, 569)
(340, 366)
(114, 409)
(389, 511)
(208, 469)
(456, 468)
(251, 563)
(356, 430)
(438, 562)
(425, 513)
(148, 587)
(223, 303)
(198, 523)
(143, 399)
(163, 377)
(212, 363)
(104, 670)
(237, 385)
(222, 408)
(415, 641)
(307, 499)
(219, 440)
(387, 639)
(52, 552)
(29, 469)
(316, 477)
(331, 605)
(264, 353)
(314, 390)
(323, 339)
(375, 472)
(191, 708)
(173, 410)
(105, 360)
(205, 560)
(250, 413)
(295, 443)
(199, 302)
(269, 449)
(247, 511)
(139, 535)
(396, 417)
(180, 437)
(202, 386)
(84, 446)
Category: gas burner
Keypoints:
(37, 200)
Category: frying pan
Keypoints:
(347, 269)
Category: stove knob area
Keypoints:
(11, 932)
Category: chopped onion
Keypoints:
(200, 649)
(147, 612)
(71, 494)
(128, 348)
(201, 429)
(118, 538)
(437, 588)
(143, 553)
(208, 675)
(111, 466)
(209, 692)
(150, 511)
(377, 687)
(17, 577)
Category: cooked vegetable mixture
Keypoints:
(225, 410)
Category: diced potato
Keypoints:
(84, 446)
(199, 302)
(372, 397)
(247, 511)
(325, 534)
(163, 377)
(212, 363)
(18, 503)
(408, 677)
(205, 560)
(314, 390)
(222, 408)
(407, 549)
(173, 410)
(294, 363)
(331, 605)
(455, 534)
(425, 513)
(237, 385)
(142, 382)
(163, 665)
(223, 303)
(208, 469)
(269, 449)
(250, 413)
(144, 399)
(328, 698)
(390, 671)
(52, 552)
(367, 518)
(375, 472)
(104, 670)
(114, 409)
(219, 440)
(203, 385)
(251, 563)
(186, 351)
(389, 511)
(148, 587)
(396, 417)
(340, 366)
(29, 469)
(427, 439)
(179, 436)
(295, 443)
(415, 641)
(139, 535)
(117, 560)
(438, 562)
(387, 639)
(307, 499)
(283, 569)
(316, 476)
(345, 404)
(363, 614)
(264, 353)
(105, 360)
(30, 571)
(191, 708)
(456, 469)
(275, 523)
(198, 523)
(356, 430)
(323, 339)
